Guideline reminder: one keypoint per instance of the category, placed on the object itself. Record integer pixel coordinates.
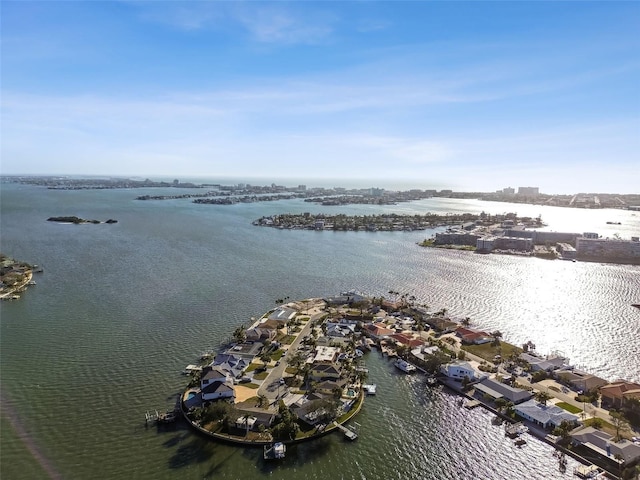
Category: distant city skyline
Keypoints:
(468, 96)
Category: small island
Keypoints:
(78, 220)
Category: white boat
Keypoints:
(370, 389)
(275, 451)
(405, 366)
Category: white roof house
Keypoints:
(544, 415)
(459, 369)
(550, 362)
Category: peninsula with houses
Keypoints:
(15, 277)
(299, 372)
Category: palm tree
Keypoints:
(497, 335)
(542, 397)
(466, 322)
(245, 419)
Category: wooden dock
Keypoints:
(349, 434)
(152, 416)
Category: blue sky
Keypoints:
(465, 95)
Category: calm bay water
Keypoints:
(121, 309)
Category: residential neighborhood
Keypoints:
(298, 371)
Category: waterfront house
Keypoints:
(548, 363)
(313, 412)
(409, 341)
(255, 418)
(392, 305)
(581, 380)
(605, 445)
(233, 364)
(497, 390)
(459, 369)
(474, 337)
(282, 315)
(346, 298)
(617, 393)
(330, 386)
(324, 371)
(247, 350)
(216, 384)
(377, 331)
(441, 324)
(340, 330)
(260, 334)
(326, 354)
(546, 416)
(423, 351)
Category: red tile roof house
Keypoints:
(616, 393)
(469, 336)
(407, 340)
(378, 331)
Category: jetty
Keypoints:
(348, 434)
(151, 416)
(469, 404)
(587, 471)
(515, 429)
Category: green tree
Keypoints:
(619, 422)
(497, 335)
(265, 357)
(240, 334)
(542, 397)
(563, 431)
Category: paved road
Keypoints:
(271, 387)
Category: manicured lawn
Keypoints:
(568, 407)
(260, 376)
(253, 366)
(488, 350)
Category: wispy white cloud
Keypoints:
(269, 23)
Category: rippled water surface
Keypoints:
(121, 309)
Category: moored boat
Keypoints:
(405, 366)
(370, 389)
(275, 451)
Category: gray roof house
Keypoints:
(544, 415)
(233, 364)
(512, 394)
(603, 444)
